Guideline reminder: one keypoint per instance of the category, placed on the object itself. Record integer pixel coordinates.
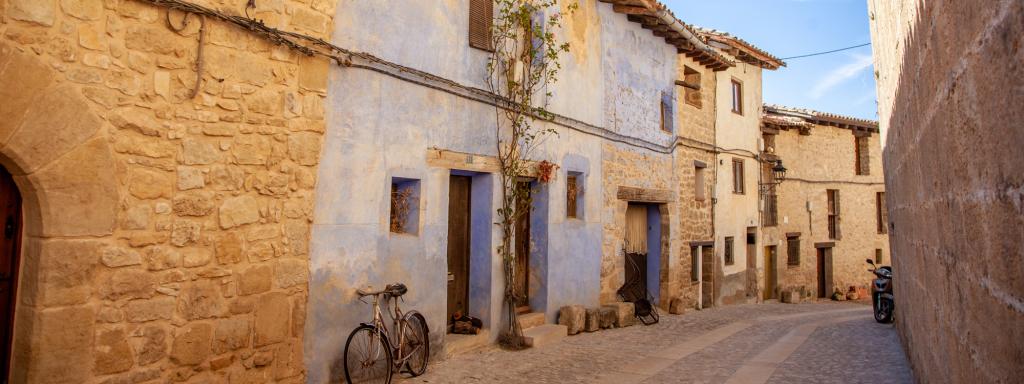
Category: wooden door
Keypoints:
(824, 272)
(752, 264)
(522, 238)
(10, 250)
(707, 277)
(458, 244)
(770, 271)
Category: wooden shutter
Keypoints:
(839, 217)
(667, 123)
(481, 17)
(883, 213)
(570, 196)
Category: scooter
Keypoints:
(881, 293)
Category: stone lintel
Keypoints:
(827, 244)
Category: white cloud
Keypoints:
(839, 75)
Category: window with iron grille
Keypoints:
(862, 159)
(481, 18)
(737, 176)
(698, 183)
(771, 210)
(667, 112)
(729, 259)
(572, 195)
(793, 250)
(878, 256)
(834, 232)
(882, 214)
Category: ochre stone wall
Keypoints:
(815, 163)
(950, 81)
(166, 237)
(696, 126)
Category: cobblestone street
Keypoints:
(767, 343)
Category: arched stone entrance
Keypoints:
(52, 145)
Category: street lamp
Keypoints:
(779, 171)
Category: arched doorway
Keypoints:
(10, 257)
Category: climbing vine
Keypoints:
(523, 64)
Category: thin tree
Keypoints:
(523, 64)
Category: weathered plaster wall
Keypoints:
(815, 163)
(737, 135)
(950, 101)
(166, 238)
(383, 127)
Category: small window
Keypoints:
(878, 256)
(574, 195)
(481, 18)
(862, 159)
(729, 259)
(695, 264)
(691, 84)
(699, 188)
(667, 113)
(771, 210)
(834, 232)
(793, 250)
(737, 97)
(769, 142)
(737, 176)
(881, 214)
(404, 212)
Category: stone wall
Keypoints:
(696, 127)
(824, 160)
(950, 101)
(166, 238)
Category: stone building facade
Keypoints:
(736, 201)
(950, 106)
(165, 236)
(828, 215)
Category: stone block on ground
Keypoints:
(677, 306)
(606, 317)
(624, 313)
(791, 296)
(593, 320)
(574, 317)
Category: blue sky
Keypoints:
(840, 83)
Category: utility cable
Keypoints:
(826, 52)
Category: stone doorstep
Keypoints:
(455, 344)
(530, 320)
(545, 334)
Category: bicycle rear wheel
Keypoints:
(367, 357)
(417, 344)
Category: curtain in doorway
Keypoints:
(636, 229)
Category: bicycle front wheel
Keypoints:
(367, 357)
(417, 344)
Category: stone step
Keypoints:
(530, 320)
(542, 335)
(455, 344)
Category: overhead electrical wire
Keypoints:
(826, 52)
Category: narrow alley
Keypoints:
(756, 343)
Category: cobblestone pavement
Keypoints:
(823, 342)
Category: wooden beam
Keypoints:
(644, 195)
(629, 10)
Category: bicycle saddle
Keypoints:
(396, 289)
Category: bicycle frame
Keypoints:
(399, 325)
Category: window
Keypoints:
(737, 176)
(691, 84)
(698, 181)
(881, 213)
(729, 259)
(771, 210)
(769, 142)
(573, 195)
(833, 214)
(793, 250)
(404, 212)
(694, 264)
(667, 121)
(481, 17)
(862, 160)
(878, 256)
(737, 97)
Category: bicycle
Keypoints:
(371, 356)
